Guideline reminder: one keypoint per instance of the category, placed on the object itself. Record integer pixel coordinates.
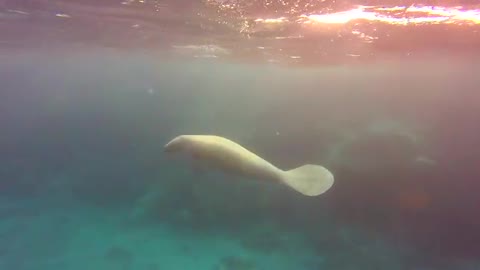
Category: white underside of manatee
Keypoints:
(228, 156)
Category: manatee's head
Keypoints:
(178, 144)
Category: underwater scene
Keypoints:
(239, 135)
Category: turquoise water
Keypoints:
(85, 182)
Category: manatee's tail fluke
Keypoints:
(310, 180)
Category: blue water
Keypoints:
(85, 184)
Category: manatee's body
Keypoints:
(226, 155)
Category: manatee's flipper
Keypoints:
(146, 206)
(310, 180)
(198, 166)
(198, 169)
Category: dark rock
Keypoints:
(235, 263)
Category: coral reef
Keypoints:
(120, 257)
(235, 263)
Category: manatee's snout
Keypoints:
(174, 145)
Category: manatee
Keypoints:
(222, 154)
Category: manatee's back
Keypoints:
(230, 156)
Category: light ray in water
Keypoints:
(395, 15)
(400, 15)
(324, 18)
